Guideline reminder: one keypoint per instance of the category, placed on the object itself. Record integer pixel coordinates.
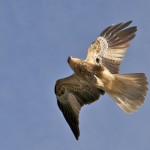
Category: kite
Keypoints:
(99, 74)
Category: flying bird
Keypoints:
(99, 73)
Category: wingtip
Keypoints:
(77, 136)
(129, 22)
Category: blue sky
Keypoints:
(36, 37)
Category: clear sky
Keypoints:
(36, 37)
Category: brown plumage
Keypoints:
(99, 73)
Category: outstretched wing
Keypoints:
(110, 47)
(71, 96)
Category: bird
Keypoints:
(99, 74)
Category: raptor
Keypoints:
(99, 74)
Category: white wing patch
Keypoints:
(103, 45)
(109, 48)
(103, 48)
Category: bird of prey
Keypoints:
(99, 73)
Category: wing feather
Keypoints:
(110, 47)
(71, 112)
(71, 96)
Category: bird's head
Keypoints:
(74, 63)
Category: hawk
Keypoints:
(99, 73)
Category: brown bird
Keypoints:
(99, 73)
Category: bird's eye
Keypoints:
(97, 60)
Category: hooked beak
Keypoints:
(69, 59)
(73, 62)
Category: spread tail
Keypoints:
(129, 91)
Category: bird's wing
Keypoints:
(110, 47)
(71, 96)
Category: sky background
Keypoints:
(36, 38)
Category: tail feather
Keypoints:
(130, 91)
